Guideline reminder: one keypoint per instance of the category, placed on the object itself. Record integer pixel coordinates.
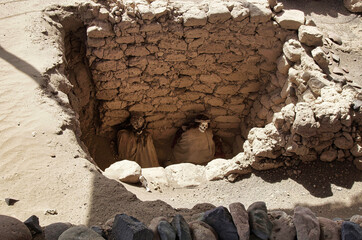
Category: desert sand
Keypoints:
(43, 166)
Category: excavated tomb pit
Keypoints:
(173, 61)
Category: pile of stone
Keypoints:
(218, 223)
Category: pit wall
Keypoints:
(258, 74)
(172, 62)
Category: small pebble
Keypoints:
(336, 58)
(33, 134)
(51, 212)
(10, 201)
(338, 71)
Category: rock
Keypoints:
(221, 221)
(278, 8)
(202, 231)
(292, 50)
(154, 226)
(310, 35)
(239, 13)
(335, 38)
(310, 22)
(283, 64)
(156, 177)
(218, 12)
(283, 226)
(10, 201)
(304, 123)
(33, 224)
(338, 70)
(329, 155)
(13, 229)
(220, 168)
(127, 227)
(336, 58)
(290, 19)
(306, 224)
(329, 229)
(356, 105)
(182, 228)
(166, 231)
(54, 230)
(353, 5)
(344, 142)
(316, 84)
(351, 231)
(272, 3)
(240, 219)
(185, 175)
(259, 13)
(80, 233)
(259, 222)
(320, 57)
(263, 141)
(356, 219)
(99, 231)
(194, 17)
(125, 171)
(100, 29)
(358, 163)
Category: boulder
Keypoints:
(80, 233)
(154, 226)
(156, 177)
(283, 226)
(351, 231)
(259, 13)
(283, 65)
(240, 219)
(329, 155)
(125, 171)
(194, 17)
(306, 224)
(54, 230)
(33, 224)
(181, 227)
(304, 123)
(13, 229)
(221, 221)
(358, 163)
(220, 168)
(320, 57)
(218, 12)
(356, 219)
(290, 19)
(127, 227)
(260, 225)
(185, 175)
(100, 29)
(330, 230)
(166, 231)
(353, 5)
(316, 84)
(292, 50)
(357, 150)
(202, 231)
(310, 36)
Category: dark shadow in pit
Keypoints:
(316, 177)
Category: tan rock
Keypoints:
(292, 50)
(156, 177)
(218, 12)
(185, 175)
(125, 171)
(100, 29)
(310, 35)
(290, 19)
(194, 17)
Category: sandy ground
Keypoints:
(42, 165)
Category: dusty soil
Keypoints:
(43, 166)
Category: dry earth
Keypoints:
(43, 166)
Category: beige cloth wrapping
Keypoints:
(138, 148)
(194, 147)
